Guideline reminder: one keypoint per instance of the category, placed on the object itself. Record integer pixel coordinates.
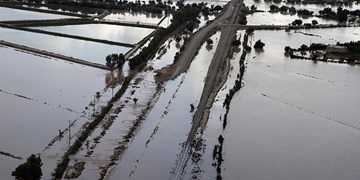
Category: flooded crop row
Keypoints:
(154, 149)
(39, 96)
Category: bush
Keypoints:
(259, 44)
(236, 43)
(31, 169)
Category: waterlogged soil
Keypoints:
(8, 14)
(292, 118)
(123, 34)
(39, 96)
(85, 50)
(155, 148)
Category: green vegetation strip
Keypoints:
(68, 36)
(74, 148)
(180, 17)
(238, 81)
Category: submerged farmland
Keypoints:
(180, 90)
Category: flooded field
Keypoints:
(298, 115)
(86, 50)
(154, 150)
(8, 14)
(265, 6)
(126, 16)
(90, 12)
(123, 34)
(281, 19)
(292, 118)
(39, 96)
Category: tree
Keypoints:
(287, 49)
(121, 61)
(284, 9)
(253, 8)
(209, 41)
(314, 22)
(250, 30)
(236, 43)
(30, 170)
(292, 10)
(297, 22)
(217, 8)
(259, 44)
(242, 20)
(303, 47)
(274, 8)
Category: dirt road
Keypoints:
(213, 77)
(198, 38)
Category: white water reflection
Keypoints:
(293, 118)
(86, 50)
(8, 14)
(117, 33)
(155, 148)
(282, 19)
(38, 97)
(149, 18)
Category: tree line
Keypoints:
(152, 7)
(183, 15)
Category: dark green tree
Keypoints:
(314, 22)
(259, 44)
(30, 170)
(236, 43)
(121, 61)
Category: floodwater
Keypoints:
(8, 14)
(126, 16)
(154, 150)
(261, 18)
(265, 6)
(38, 97)
(86, 50)
(293, 119)
(117, 33)
(87, 11)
